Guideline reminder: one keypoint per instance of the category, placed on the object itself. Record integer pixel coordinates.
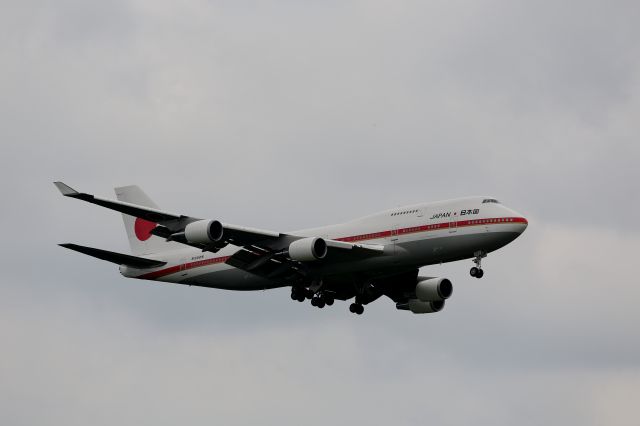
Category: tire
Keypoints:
(329, 301)
(474, 271)
(480, 274)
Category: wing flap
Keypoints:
(265, 263)
(371, 249)
(243, 235)
(276, 263)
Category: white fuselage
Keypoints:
(412, 236)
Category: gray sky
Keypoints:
(290, 114)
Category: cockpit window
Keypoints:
(490, 200)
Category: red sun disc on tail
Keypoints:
(143, 229)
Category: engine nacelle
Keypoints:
(308, 249)
(433, 289)
(419, 307)
(204, 232)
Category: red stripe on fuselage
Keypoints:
(183, 267)
(361, 237)
(434, 227)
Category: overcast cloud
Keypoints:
(288, 114)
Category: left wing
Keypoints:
(267, 253)
(146, 213)
(172, 226)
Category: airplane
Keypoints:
(363, 259)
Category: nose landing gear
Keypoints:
(477, 271)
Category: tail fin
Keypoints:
(138, 230)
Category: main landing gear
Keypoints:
(300, 294)
(356, 308)
(319, 299)
(477, 271)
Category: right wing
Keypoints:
(274, 262)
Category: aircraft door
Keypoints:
(394, 238)
(453, 224)
(183, 267)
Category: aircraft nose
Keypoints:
(520, 222)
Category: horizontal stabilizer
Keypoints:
(119, 258)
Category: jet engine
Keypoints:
(420, 307)
(433, 289)
(308, 249)
(204, 232)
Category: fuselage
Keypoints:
(413, 236)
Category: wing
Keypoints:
(263, 252)
(275, 262)
(171, 226)
(146, 213)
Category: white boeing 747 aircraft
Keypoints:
(364, 259)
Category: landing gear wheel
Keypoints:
(356, 308)
(476, 271)
(329, 301)
(297, 293)
(318, 302)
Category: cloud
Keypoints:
(285, 115)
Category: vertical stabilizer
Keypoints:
(138, 230)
